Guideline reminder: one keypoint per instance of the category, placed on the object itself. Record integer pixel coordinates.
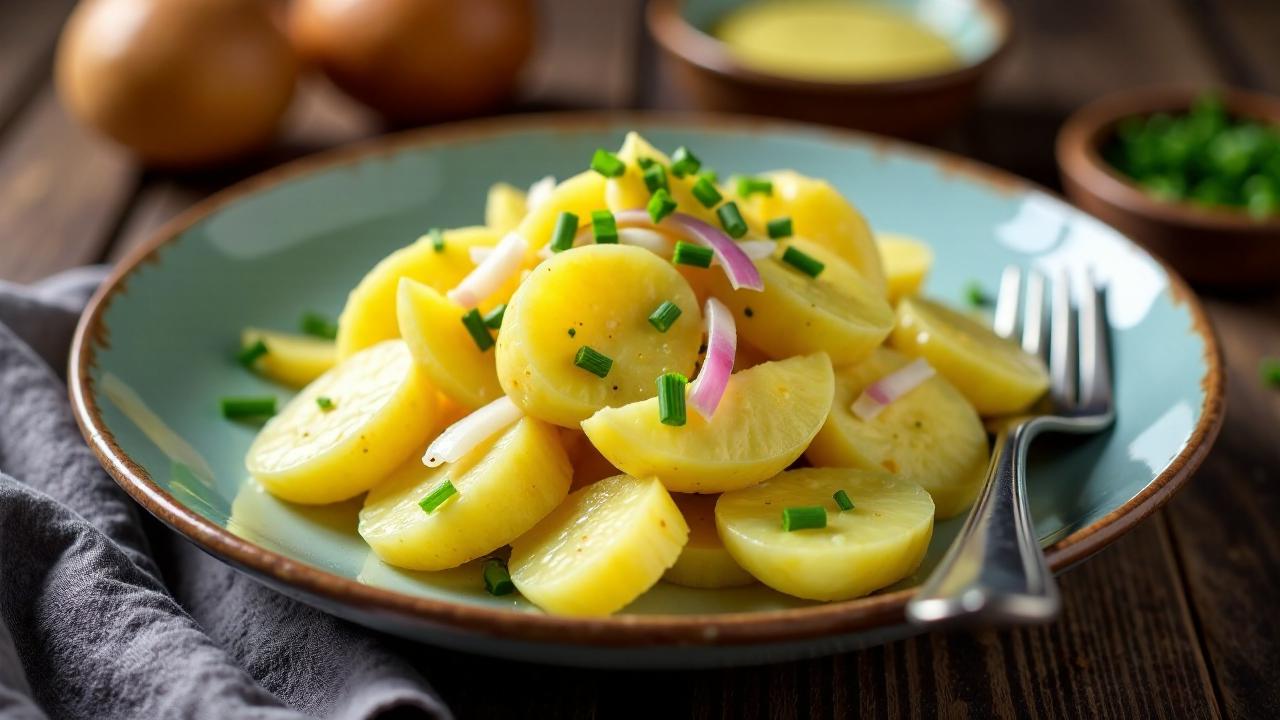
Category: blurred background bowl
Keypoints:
(1210, 247)
(913, 107)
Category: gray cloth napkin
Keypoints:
(98, 621)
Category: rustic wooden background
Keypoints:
(1176, 620)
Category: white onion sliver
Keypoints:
(738, 267)
(492, 272)
(879, 394)
(463, 436)
(479, 253)
(539, 192)
(717, 366)
(650, 240)
(758, 249)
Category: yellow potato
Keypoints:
(579, 195)
(383, 409)
(504, 208)
(629, 192)
(605, 545)
(505, 486)
(704, 562)
(880, 541)
(369, 316)
(931, 436)
(765, 420)
(443, 348)
(598, 296)
(994, 373)
(906, 263)
(292, 360)
(796, 314)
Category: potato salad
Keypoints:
(643, 373)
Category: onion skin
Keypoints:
(182, 83)
(417, 61)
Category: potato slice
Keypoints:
(704, 562)
(629, 192)
(505, 486)
(880, 541)
(605, 545)
(598, 296)
(432, 326)
(383, 409)
(994, 373)
(765, 420)
(906, 263)
(504, 208)
(369, 316)
(796, 314)
(931, 436)
(579, 195)
(292, 360)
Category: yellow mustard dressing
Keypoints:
(833, 40)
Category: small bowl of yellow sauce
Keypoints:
(901, 67)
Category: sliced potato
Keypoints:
(504, 207)
(505, 486)
(599, 296)
(605, 545)
(906, 263)
(292, 360)
(443, 348)
(629, 192)
(579, 195)
(383, 409)
(994, 373)
(880, 541)
(765, 420)
(704, 562)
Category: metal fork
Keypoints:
(994, 572)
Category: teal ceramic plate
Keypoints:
(154, 353)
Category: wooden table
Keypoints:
(1175, 620)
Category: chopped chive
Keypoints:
(646, 162)
(436, 498)
(684, 162)
(661, 205)
(319, 326)
(604, 226)
(975, 295)
(842, 499)
(748, 186)
(804, 518)
(248, 355)
(706, 193)
(235, 408)
(593, 361)
(572, 332)
(689, 254)
(437, 239)
(566, 229)
(779, 228)
(671, 399)
(479, 331)
(493, 319)
(655, 178)
(325, 403)
(1271, 372)
(497, 580)
(806, 264)
(607, 164)
(664, 315)
(731, 220)
(710, 175)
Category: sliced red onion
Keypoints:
(496, 268)
(539, 192)
(651, 240)
(877, 396)
(722, 346)
(463, 436)
(738, 267)
(758, 249)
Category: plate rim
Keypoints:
(735, 628)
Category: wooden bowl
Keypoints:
(1212, 248)
(911, 107)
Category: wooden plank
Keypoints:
(1245, 38)
(28, 33)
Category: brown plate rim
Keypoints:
(738, 628)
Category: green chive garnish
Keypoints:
(235, 408)
(1271, 372)
(779, 228)
(804, 518)
(655, 178)
(479, 331)
(604, 227)
(319, 326)
(645, 162)
(493, 319)
(684, 162)
(731, 220)
(661, 205)
(593, 361)
(975, 295)
(436, 498)
(806, 264)
(607, 164)
(748, 186)
(706, 193)
(664, 315)
(572, 332)
(497, 580)
(710, 175)
(250, 354)
(566, 229)
(689, 254)
(437, 239)
(842, 499)
(671, 399)
(325, 403)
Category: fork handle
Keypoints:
(994, 572)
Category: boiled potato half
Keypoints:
(432, 326)
(579, 195)
(906, 263)
(292, 360)
(504, 207)
(704, 562)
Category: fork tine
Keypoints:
(1095, 348)
(1006, 319)
(1035, 335)
(1063, 355)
